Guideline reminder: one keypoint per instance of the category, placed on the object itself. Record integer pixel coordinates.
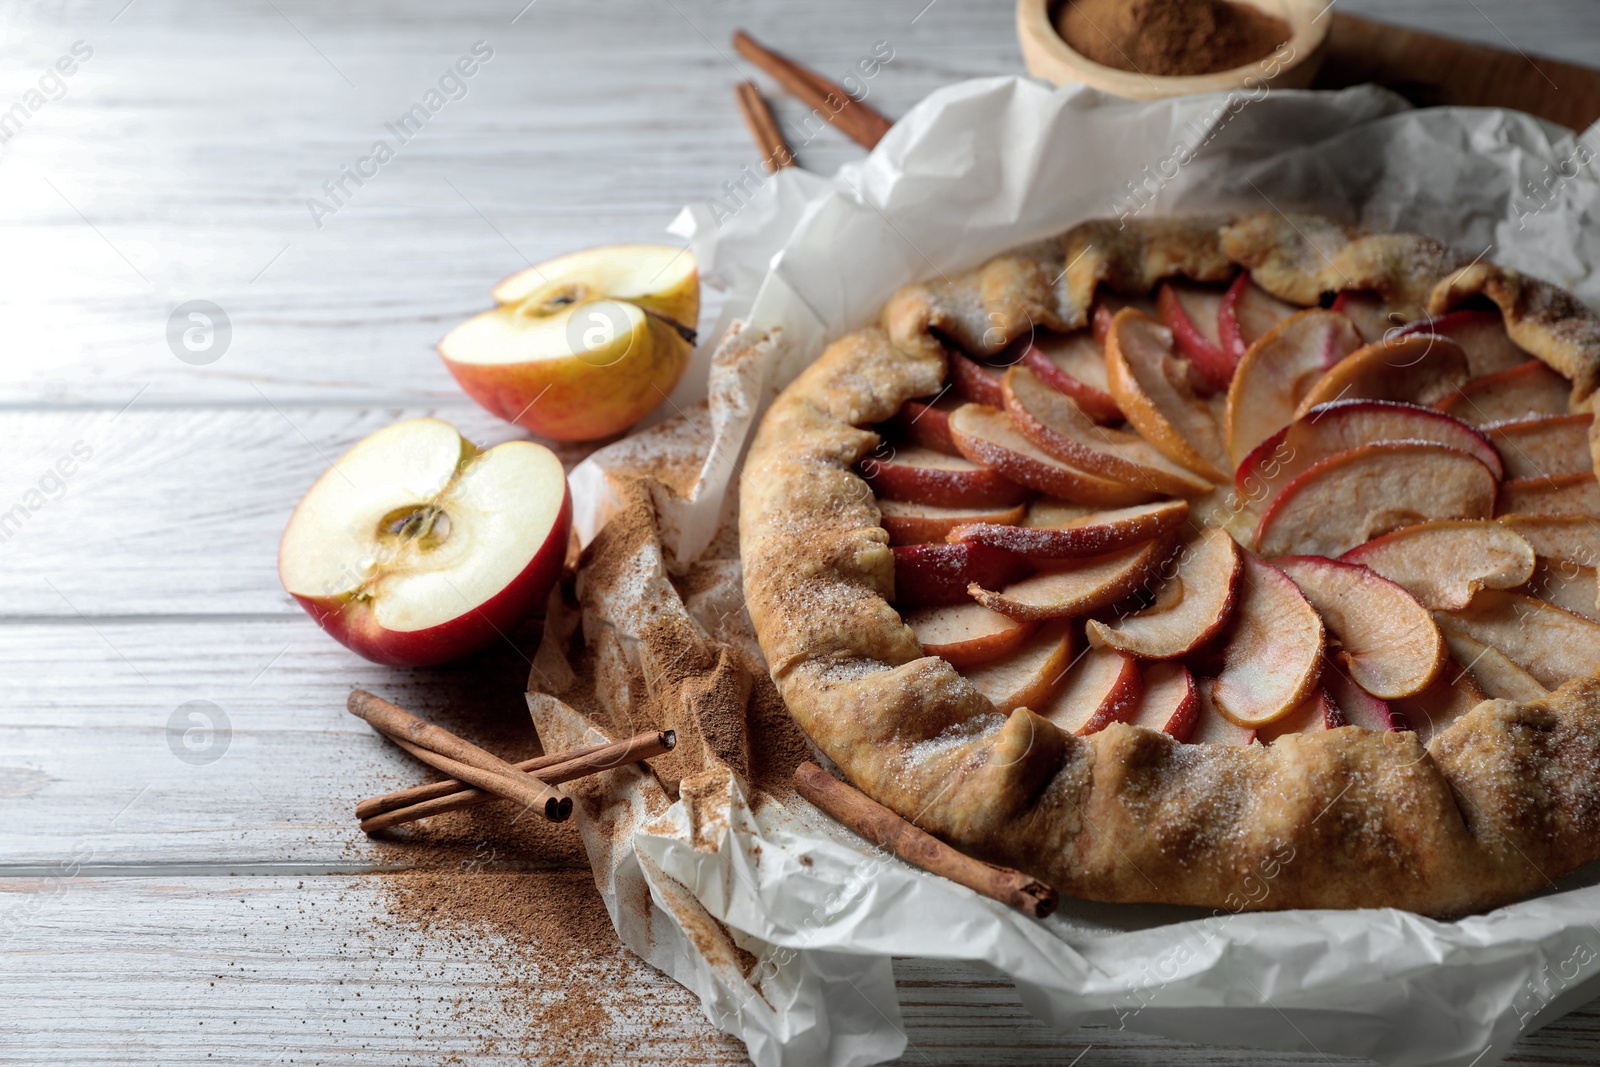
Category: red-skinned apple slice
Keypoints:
(1481, 334)
(974, 381)
(583, 346)
(927, 422)
(1373, 316)
(1352, 497)
(1565, 494)
(1278, 370)
(1191, 311)
(1054, 422)
(1075, 588)
(1192, 605)
(922, 476)
(968, 635)
(1544, 447)
(1416, 368)
(1101, 688)
(1074, 363)
(1575, 538)
(1493, 670)
(1211, 727)
(1357, 707)
(988, 437)
(1274, 648)
(1170, 703)
(1530, 391)
(1108, 305)
(1454, 693)
(1151, 386)
(1444, 564)
(1029, 677)
(1566, 585)
(1314, 714)
(938, 574)
(1550, 644)
(916, 524)
(1246, 314)
(1088, 535)
(419, 548)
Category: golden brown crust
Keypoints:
(1499, 804)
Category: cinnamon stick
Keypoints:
(409, 805)
(862, 124)
(775, 151)
(884, 828)
(444, 751)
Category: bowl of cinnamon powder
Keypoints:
(1149, 49)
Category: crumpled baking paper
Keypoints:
(784, 923)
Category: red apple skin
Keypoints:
(936, 575)
(1215, 365)
(1096, 403)
(975, 382)
(927, 423)
(353, 624)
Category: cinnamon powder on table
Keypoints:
(1170, 37)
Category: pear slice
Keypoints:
(1444, 563)
(1193, 604)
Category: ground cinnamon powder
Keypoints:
(1170, 37)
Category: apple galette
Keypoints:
(1244, 564)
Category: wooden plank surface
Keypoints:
(224, 910)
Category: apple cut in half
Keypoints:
(1170, 701)
(1246, 314)
(922, 476)
(1075, 364)
(1566, 585)
(1493, 670)
(1481, 335)
(1352, 497)
(1101, 688)
(1075, 588)
(1152, 387)
(583, 346)
(915, 524)
(1314, 714)
(986, 436)
(417, 547)
(1029, 677)
(1544, 447)
(1088, 535)
(1454, 693)
(1357, 707)
(1564, 494)
(1416, 368)
(933, 575)
(1444, 563)
(1274, 647)
(1551, 644)
(927, 422)
(1387, 641)
(1192, 606)
(1529, 391)
(1373, 316)
(1191, 312)
(1575, 538)
(1278, 370)
(968, 635)
(1211, 727)
(1054, 422)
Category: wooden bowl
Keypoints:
(1292, 66)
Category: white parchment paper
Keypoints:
(975, 169)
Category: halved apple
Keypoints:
(1565, 494)
(968, 635)
(1551, 644)
(1278, 370)
(927, 422)
(1373, 316)
(1029, 677)
(1566, 585)
(1529, 391)
(417, 547)
(1074, 363)
(1415, 368)
(1314, 714)
(938, 574)
(1076, 587)
(1101, 688)
(1054, 422)
(922, 476)
(1170, 702)
(1273, 654)
(1493, 670)
(1387, 641)
(1193, 604)
(582, 346)
(1444, 563)
(1544, 447)
(1211, 727)
(1191, 312)
(1352, 497)
(987, 436)
(1087, 535)
(915, 524)
(1454, 693)
(1357, 707)
(1152, 387)
(1246, 314)
(1481, 334)
(1568, 537)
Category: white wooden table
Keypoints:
(214, 903)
